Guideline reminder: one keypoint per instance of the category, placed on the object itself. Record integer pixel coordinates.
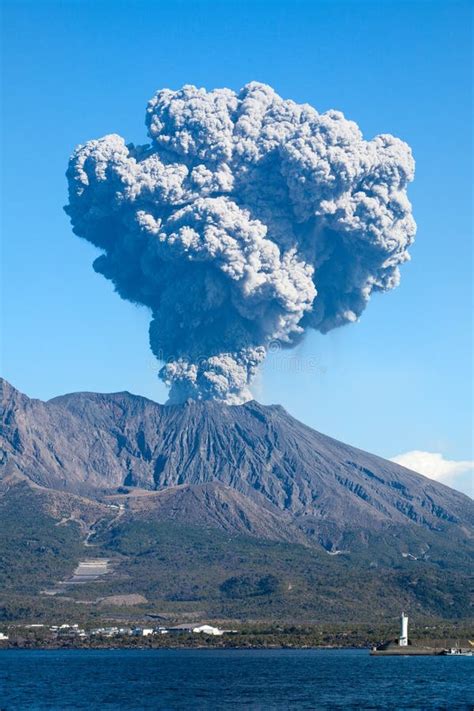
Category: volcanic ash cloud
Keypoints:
(247, 219)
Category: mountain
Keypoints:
(257, 458)
(122, 470)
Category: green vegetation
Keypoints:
(192, 572)
(243, 586)
(34, 550)
(185, 569)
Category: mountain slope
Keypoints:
(93, 444)
(197, 570)
(213, 505)
(229, 511)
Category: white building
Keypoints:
(403, 639)
(208, 629)
(197, 629)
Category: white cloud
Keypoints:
(435, 466)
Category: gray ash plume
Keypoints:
(246, 219)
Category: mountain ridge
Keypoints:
(186, 498)
(94, 443)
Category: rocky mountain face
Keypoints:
(247, 468)
(215, 511)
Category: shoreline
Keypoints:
(415, 651)
(201, 648)
(250, 636)
(225, 647)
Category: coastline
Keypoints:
(232, 634)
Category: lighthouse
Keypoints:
(403, 640)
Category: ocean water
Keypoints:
(231, 679)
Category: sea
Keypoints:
(231, 679)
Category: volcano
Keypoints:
(245, 472)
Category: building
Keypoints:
(142, 631)
(403, 639)
(197, 629)
(402, 647)
(208, 629)
(181, 628)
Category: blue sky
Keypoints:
(399, 380)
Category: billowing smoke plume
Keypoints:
(247, 219)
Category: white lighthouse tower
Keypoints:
(403, 640)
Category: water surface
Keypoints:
(231, 679)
